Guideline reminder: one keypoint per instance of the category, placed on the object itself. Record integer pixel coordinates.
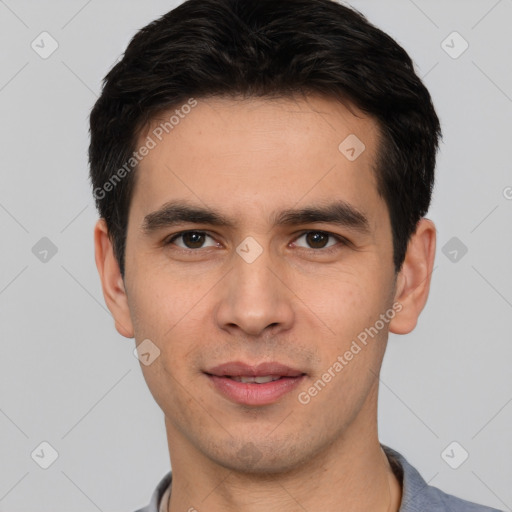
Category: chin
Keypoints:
(264, 458)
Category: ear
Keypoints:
(413, 280)
(111, 280)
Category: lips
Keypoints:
(260, 379)
(262, 384)
(237, 369)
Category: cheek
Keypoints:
(171, 323)
(342, 303)
(175, 328)
(161, 302)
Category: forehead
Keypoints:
(257, 155)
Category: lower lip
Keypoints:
(251, 393)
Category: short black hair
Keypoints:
(274, 49)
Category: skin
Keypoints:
(295, 304)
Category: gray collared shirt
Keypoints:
(417, 495)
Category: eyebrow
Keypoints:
(338, 212)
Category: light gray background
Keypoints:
(68, 378)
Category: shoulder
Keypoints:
(452, 503)
(418, 496)
(156, 497)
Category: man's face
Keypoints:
(296, 293)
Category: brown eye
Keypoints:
(191, 240)
(318, 240)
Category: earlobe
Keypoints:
(112, 280)
(413, 280)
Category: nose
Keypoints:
(255, 297)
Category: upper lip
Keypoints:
(239, 369)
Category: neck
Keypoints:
(352, 475)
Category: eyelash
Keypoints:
(327, 250)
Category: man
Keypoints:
(262, 170)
